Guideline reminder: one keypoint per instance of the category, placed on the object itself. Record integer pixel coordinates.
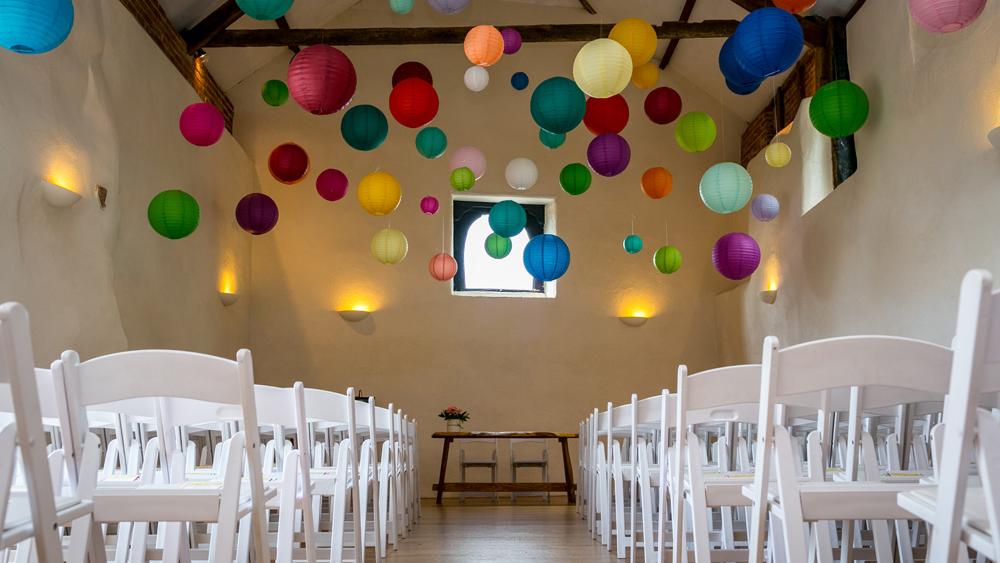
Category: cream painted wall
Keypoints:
(102, 109)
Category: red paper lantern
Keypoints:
(413, 102)
(606, 115)
(322, 79)
(288, 163)
(794, 6)
(331, 184)
(412, 69)
(663, 105)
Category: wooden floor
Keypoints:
(481, 531)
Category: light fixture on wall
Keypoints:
(634, 320)
(56, 195)
(228, 298)
(354, 315)
(768, 296)
(994, 136)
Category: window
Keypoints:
(478, 272)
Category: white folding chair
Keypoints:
(529, 453)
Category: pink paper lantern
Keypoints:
(429, 205)
(471, 158)
(945, 16)
(331, 184)
(322, 79)
(443, 267)
(202, 124)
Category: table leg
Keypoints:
(568, 468)
(444, 468)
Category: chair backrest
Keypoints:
(727, 394)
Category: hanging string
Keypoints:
(633, 223)
(774, 99)
(722, 111)
(442, 235)
(666, 232)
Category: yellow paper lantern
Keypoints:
(379, 193)
(602, 68)
(638, 38)
(646, 76)
(484, 45)
(778, 154)
(389, 246)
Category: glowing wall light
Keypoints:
(57, 194)
(227, 288)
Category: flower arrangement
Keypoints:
(455, 414)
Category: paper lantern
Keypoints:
(429, 205)
(609, 154)
(274, 93)
(546, 257)
(765, 207)
(331, 184)
(173, 213)
(742, 89)
(663, 105)
(288, 163)
(471, 158)
(602, 68)
(839, 108)
(257, 213)
(483, 45)
(778, 154)
(695, 132)
(558, 105)
(519, 81)
(726, 187)
(497, 246)
(364, 127)
(550, 139)
(476, 78)
(442, 267)
(638, 37)
(795, 6)
(645, 76)
(463, 179)
(736, 256)
(431, 142)
(322, 79)
(521, 173)
(412, 69)
(657, 182)
(202, 124)
(401, 7)
(379, 193)
(264, 10)
(606, 115)
(768, 42)
(413, 102)
(508, 218)
(632, 244)
(667, 259)
(575, 178)
(389, 246)
(511, 40)
(32, 27)
(448, 7)
(945, 16)
(738, 80)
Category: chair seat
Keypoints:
(192, 501)
(975, 519)
(724, 489)
(846, 501)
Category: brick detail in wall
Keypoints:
(153, 19)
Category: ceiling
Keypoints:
(695, 59)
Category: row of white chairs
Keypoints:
(859, 448)
(158, 455)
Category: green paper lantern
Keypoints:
(632, 244)
(726, 187)
(575, 178)
(667, 259)
(550, 139)
(275, 93)
(839, 109)
(364, 127)
(174, 214)
(497, 246)
(431, 142)
(558, 105)
(508, 218)
(462, 179)
(695, 132)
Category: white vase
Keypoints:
(454, 426)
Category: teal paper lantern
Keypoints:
(275, 93)
(508, 218)
(550, 139)
(726, 187)
(265, 10)
(632, 244)
(498, 247)
(401, 7)
(32, 27)
(839, 109)
(575, 178)
(558, 105)
(173, 214)
(431, 142)
(364, 127)
(667, 259)
(462, 179)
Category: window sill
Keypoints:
(549, 293)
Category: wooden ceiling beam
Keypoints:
(814, 31)
(672, 46)
(283, 24)
(854, 10)
(213, 24)
(588, 6)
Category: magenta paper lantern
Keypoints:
(471, 158)
(609, 154)
(511, 40)
(945, 16)
(331, 184)
(322, 79)
(429, 205)
(202, 124)
(736, 256)
(257, 213)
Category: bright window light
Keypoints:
(484, 272)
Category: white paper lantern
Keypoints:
(477, 78)
(521, 173)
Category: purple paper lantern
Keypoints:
(511, 40)
(609, 154)
(257, 213)
(765, 207)
(736, 256)
(448, 7)
(429, 205)
(331, 184)
(202, 124)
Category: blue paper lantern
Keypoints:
(546, 257)
(265, 10)
(726, 187)
(31, 27)
(519, 81)
(632, 244)
(767, 42)
(508, 218)
(738, 80)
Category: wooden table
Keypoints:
(568, 487)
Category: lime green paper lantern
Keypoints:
(726, 187)
(498, 246)
(275, 93)
(667, 259)
(174, 214)
(695, 132)
(462, 179)
(550, 139)
(575, 178)
(839, 109)
(431, 142)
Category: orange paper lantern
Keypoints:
(794, 6)
(484, 45)
(657, 182)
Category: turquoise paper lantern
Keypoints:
(265, 10)
(364, 127)
(508, 218)
(558, 105)
(431, 142)
(726, 187)
(546, 257)
(32, 27)
(401, 7)
(632, 244)
(550, 139)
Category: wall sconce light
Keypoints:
(994, 137)
(768, 295)
(634, 321)
(58, 196)
(228, 298)
(354, 315)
